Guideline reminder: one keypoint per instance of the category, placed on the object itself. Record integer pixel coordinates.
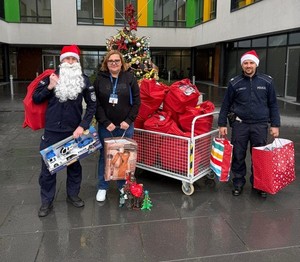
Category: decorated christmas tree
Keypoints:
(147, 204)
(135, 50)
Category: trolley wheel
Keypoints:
(211, 175)
(188, 189)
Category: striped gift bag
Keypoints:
(221, 157)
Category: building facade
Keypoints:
(201, 38)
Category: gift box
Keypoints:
(70, 150)
(120, 155)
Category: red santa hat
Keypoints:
(250, 55)
(69, 50)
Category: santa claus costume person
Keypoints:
(64, 90)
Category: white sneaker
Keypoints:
(101, 195)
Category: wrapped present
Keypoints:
(120, 155)
(69, 150)
(274, 165)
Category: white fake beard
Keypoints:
(70, 82)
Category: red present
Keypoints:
(274, 165)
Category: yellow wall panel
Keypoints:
(248, 2)
(206, 10)
(142, 11)
(109, 12)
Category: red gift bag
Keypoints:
(274, 165)
(221, 157)
(182, 93)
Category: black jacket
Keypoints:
(128, 92)
(66, 116)
(253, 100)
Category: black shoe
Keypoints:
(76, 201)
(237, 191)
(263, 194)
(45, 209)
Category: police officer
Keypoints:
(64, 90)
(250, 104)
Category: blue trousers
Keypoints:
(242, 134)
(47, 181)
(104, 133)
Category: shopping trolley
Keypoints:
(183, 158)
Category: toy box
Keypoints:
(120, 155)
(69, 150)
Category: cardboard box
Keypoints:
(120, 156)
(70, 150)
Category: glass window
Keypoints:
(259, 42)
(198, 11)
(293, 71)
(237, 4)
(97, 9)
(276, 67)
(169, 13)
(35, 11)
(89, 12)
(2, 9)
(278, 40)
(173, 65)
(294, 38)
(245, 44)
(120, 6)
(213, 9)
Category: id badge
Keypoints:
(113, 99)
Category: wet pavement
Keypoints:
(209, 226)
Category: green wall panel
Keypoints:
(12, 10)
(150, 12)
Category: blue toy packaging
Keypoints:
(69, 150)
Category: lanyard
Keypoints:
(114, 85)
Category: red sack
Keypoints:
(274, 165)
(181, 94)
(152, 95)
(35, 113)
(139, 122)
(202, 125)
(162, 122)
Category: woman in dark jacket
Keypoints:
(118, 101)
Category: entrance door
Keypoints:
(50, 61)
(292, 82)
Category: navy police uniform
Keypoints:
(251, 104)
(62, 118)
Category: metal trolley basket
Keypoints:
(183, 158)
